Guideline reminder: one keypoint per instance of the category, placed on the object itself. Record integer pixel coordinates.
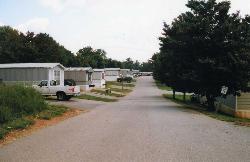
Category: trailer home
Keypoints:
(111, 74)
(81, 75)
(31, 73)
(125, 72)
(99, 78)
(234, 105)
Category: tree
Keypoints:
(90, 57)
(10, 44)
(205, 49)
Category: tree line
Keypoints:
(204, 49)
(17, 47)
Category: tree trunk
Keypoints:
(184, 96)
(210, 102)
(173, 94)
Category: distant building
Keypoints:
(31, 73)
(111, 74)
(81, 75)
(125, 72)
(98, 78)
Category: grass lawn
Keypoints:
(25, 121)
(108, 84)
(120, 90)
(216, 115)
(162, 86)
(96, 98)
(102, 92)
(118, 87)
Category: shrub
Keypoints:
(5, 114)
(3, 132)
(16, 101)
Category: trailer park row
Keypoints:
(85, 77)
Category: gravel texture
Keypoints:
(141, 127)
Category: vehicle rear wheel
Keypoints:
(61, 96)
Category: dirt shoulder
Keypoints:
(39, 124)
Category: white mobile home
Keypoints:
(135, 72)
(111, 74)
(125, 72)
(81, 75)
(31, 73)
(99, 78)
(234, 105)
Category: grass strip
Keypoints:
(120, 84)
(109, 94)
(96, 98)
(162, 86)
(215, 115)
(25, 121)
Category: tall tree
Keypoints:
(205, 49)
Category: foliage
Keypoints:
(204, 49)
(162, 86)
(89, 57)
(178, 98)
(17, 47)
(16, 101)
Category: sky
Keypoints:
(123, 28)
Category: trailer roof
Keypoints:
(107, 69)
(79, 69)
(31, 65)
(99, 70)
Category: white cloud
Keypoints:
(60, 5)
(35, 25)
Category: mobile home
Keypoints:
(125, 72)
(234, 105)
(81, 75)
(99, 78)
(31, 73)
(111, 74)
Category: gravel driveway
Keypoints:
(141, 127)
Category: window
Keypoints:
(43, 83)
(57, 77)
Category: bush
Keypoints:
(3, 132)
(5, 114)
(16, 101)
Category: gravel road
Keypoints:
(141, 127)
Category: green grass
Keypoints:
(162, 86)
(120, 90)
(17, 101)
(102, 92)
(178, 97)
(198, 108)
(15, 124)
(52, 112)
(25, 121)
(108, 84)
(96, 98)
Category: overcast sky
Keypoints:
(123, 28)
